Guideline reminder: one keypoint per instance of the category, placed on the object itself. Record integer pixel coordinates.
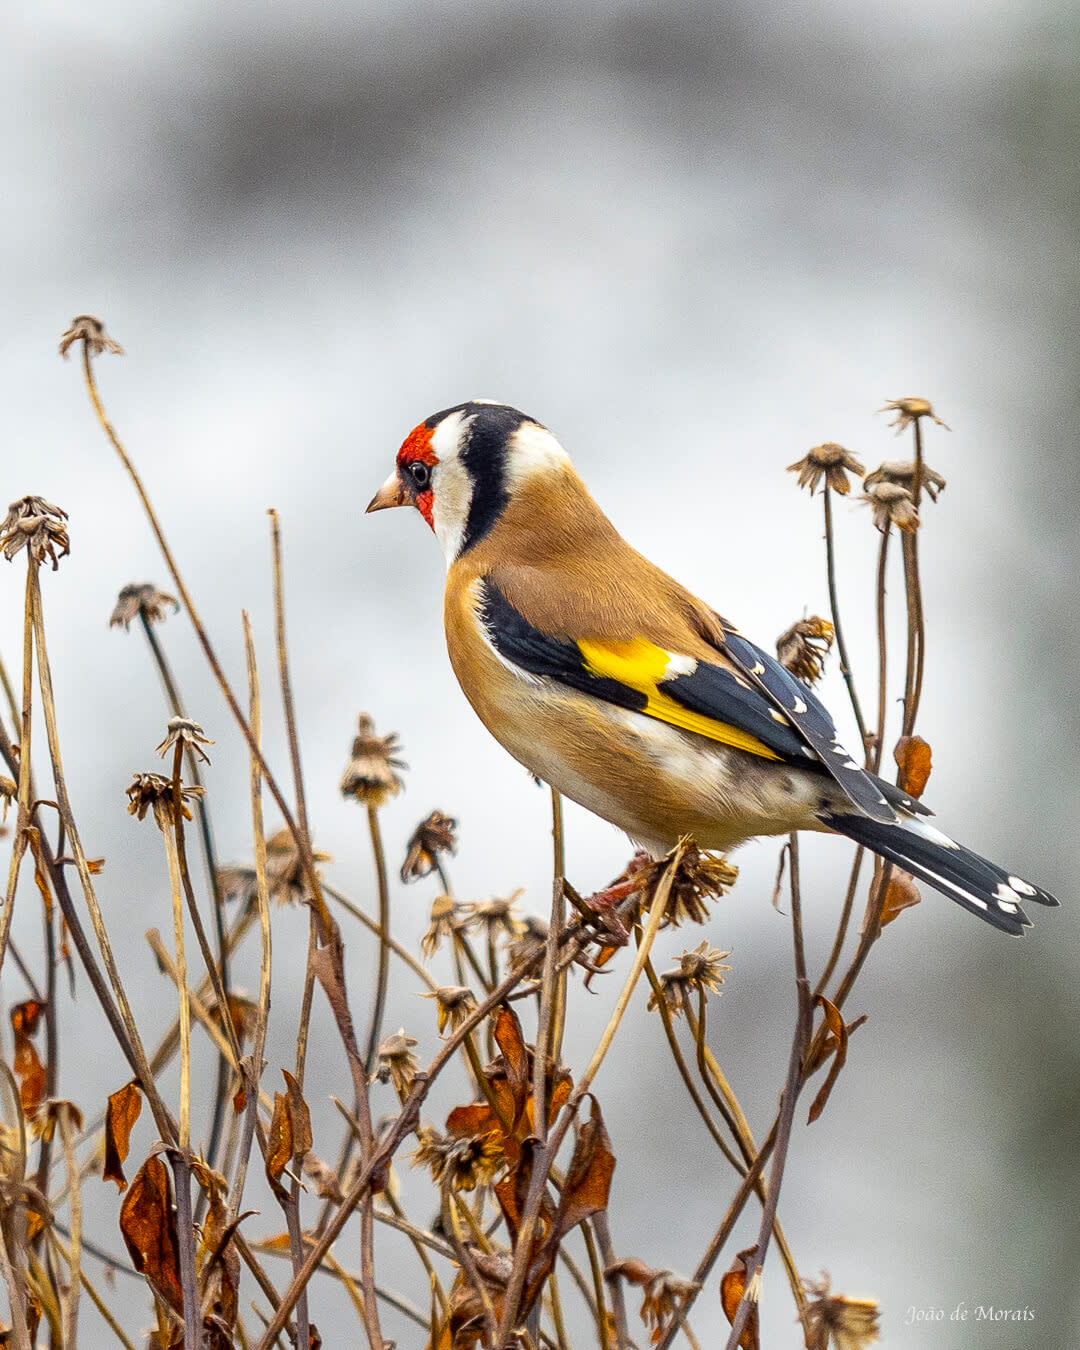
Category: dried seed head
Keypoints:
(36, 525)
(698, 877)
(370, 776)
(497, 916)
(455, 1003)
(85, 328)
(829, 461)
(892, 505)
(184, 732)
(803, 648)
(445, 920)
(848, 1323)
(9, 790)
(902, 471)
(909, 410)
(397, 1063)
(664, 1292)
(285, 876)
(458, 1164)
(153, 790)
(146, 600)
(525, 949)
(702, 967)
(697, 969)
(434, 835)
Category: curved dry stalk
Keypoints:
(383, 971)
(785, 1121)
(369, 923)
(575, 939)
(162, 1117)
(834, 609)
(95, 1298)
(24, 724)
(547, 1151)
(300, 837)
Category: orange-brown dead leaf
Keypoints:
(121, 1113)
(901, 894)
(28, 1067)
(300, 1116)
(732, 1288)
(148, 1226)
(839, 1031)
(588, 1177)
(219, 1272)
(279, 1142)
(912, 755)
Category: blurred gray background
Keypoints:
(694, 240)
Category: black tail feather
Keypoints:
(978, 885)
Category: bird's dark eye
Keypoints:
(420, 473)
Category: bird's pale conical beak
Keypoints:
(390, 494)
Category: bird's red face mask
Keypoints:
(410, 483)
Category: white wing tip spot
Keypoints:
(1022, 886)
(800, 706)
(1007, 897)
(758, 669)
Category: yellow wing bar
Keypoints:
(642, 666)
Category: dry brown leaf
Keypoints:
(121, 1113)
(148, 1226)
(901, 894)
(300, 1115)
(588, 1177)
(219, 1273)
(279, 1142)
(732, 1288)
(912, 755)
(838, 1028)
(28, 1067)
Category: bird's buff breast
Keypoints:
(644, 776)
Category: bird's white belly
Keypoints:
(655, 781)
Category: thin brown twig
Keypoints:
(834, 607)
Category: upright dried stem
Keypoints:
(23, 724)
(383, 971)
(262, 897)
(69, 1306)
(834, 609)
(300, 838)
(146, 1080)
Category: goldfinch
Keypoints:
(615, 685)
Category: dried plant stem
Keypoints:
(262, 898)
(684, 1069)
(383, 972)
(783, 1135)
(303, 844)
(184, 1134)
(598, 1301)
(218, 970)
(845, 920)
(69, 1308)
(916, 619)
(465, 1260)
(559, 902)
(95, 1298)
(23, 724)
(369, 923)
(834, 607)
(618, 1298)
(883, 648)
(134, 1042)
(547, 1150)
(575, 938)
(14, 1279)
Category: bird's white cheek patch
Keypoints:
(452, 494)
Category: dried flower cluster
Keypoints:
(153, 791)
(830, 462)
(909, 410)
(803, 647)
(36, 525)
(145, 600)
(370, 778)
(434, 835)
(86, 328)
(699, 877)
(188, 735)
(285, 875)
(460, 1164)
(698, 969)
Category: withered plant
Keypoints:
(522, 1170)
